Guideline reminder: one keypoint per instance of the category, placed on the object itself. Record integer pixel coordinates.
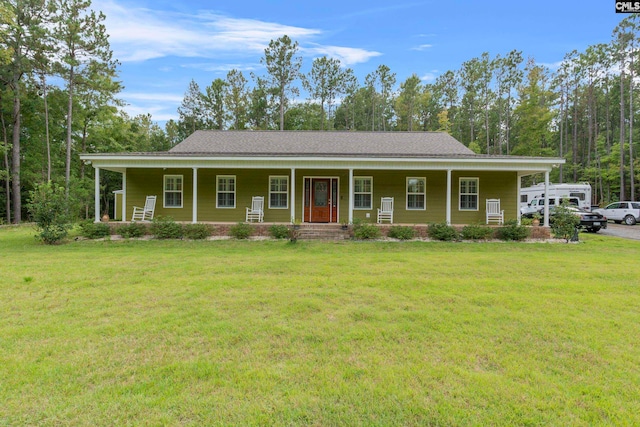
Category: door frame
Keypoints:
(302, 197)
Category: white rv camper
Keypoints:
(581, 191)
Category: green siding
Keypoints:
(491, 185)
(249, 183)
(394, 184)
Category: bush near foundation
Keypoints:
(476, 232)
(512, 231)
(442, 231)
(197, 231)
(133, 230)
(241, 230)
(401, 232)
(166, 228)
(94, 230)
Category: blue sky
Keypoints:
(162, 45)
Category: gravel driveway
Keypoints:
(625, 231)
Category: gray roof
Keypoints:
(317, 143)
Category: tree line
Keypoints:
(59, 97)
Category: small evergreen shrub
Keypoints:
(49, 209)
(363, 231)
(197, 231)
(512, 231)
(476, 232)
(132, 230)
(442, 231)
(241, 230)
(526, 221)
(94, 230)
(279, 231)
(564, 223)
(166, 228)
(401, 232)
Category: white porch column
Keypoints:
(448, 211)
(518, 187)
(293, 195)
(96, 200)
(194, 215)
(546, 199)
(350, 196)
(124, 195)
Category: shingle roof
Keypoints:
(316, 143)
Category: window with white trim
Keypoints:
(416, 193)
(172, 191)
(468, 194)
(362, 192)
(278, 192)
(226, 191)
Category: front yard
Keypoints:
(352, 333)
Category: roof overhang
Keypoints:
(523, 165)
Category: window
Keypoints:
(468, 194)
(362, 192)
(278, 192)
(416, 196)
(172, 191)
(226, 194)
(524, 198)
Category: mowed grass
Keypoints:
(356, 333)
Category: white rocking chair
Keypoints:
(494, 214)
(145, 213)
(385, 211)
(256, 211)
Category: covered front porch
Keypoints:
(424, 193)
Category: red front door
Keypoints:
(321, 200)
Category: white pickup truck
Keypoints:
(537, 204)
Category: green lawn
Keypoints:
(357, 333)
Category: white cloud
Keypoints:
(222, 68)
(162, 97)
(428, 77)
(138, 34)
(552, 66)
(422, 47)
(159, 114)
(346, 55)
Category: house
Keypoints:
(314, 176)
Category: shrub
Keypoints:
(564, 223)
(526, 221)
(513, 231)
(166, 228)
(402, 232)
(279, 231)
(365, 231)
(197, 231)
(94, 230)
(132, 230)
(241, 230)
(49, 210)
(476, 232)
(442, 231)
